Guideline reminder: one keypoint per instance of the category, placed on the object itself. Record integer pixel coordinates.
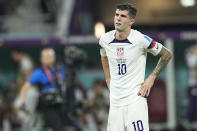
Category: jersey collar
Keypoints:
(121, 41)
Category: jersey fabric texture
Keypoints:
(127, 62)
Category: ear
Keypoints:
(132, 21)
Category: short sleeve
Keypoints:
(101, 42)
(35, 77)
(26, 65)
(191, 59)
(152, 46)
(101, 46)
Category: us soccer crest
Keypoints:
(120, 52)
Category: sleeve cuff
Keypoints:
(103, 52)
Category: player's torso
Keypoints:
(127, 60)
(124, 56)
(127, 69)
(121, 56)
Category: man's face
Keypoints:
(15, 56)
(122, 20)
(48, 57)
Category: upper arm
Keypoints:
(27, 84)
(150, 45)
(165, 53)
(105, 64)
(101, 46)
(103, 52)
(104, 58)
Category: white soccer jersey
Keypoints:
(127, 62)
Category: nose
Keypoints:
(118, 18)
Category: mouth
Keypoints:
(117, 24)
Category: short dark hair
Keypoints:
(129, 7)
(46, 48)
(17, 50)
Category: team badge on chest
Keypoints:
(120, 52)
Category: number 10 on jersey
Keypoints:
(122, 69)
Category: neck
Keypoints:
(50, 66)
(122, 35)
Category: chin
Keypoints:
(118, 29)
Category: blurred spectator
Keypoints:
(50, 80)
(98, 100)
(25, 66)
(10, 120)
(191, 60)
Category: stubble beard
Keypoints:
(118, 29)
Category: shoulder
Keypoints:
(26, 64)
(139, 37)
(108, 36)
(26, 60)
(136, 34)
(36, 76)
(38, 71)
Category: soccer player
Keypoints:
(123, 56)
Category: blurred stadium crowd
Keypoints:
(43, 17)
(87, 108)
(38, 18)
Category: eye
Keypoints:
(117, 14)
(123, 16)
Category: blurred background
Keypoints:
(28, 26)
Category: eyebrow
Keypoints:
(120, 15)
